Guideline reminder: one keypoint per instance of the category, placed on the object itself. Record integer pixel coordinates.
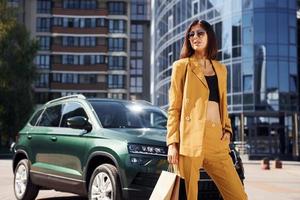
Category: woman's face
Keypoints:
(198, 38)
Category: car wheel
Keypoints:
(23, 187)
(104, 183)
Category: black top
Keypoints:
(212, 82)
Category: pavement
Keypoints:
(273, 184)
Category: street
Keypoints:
(275, 184)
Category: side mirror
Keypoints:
(79, 122)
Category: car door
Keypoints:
(69, 145)
(43, 158)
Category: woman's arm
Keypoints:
(175, 102)
(227, 119)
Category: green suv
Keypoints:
(100, 148)
(92, 147)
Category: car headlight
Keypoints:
(147, 149)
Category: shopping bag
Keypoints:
(167, 186)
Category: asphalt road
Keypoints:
(274, 184)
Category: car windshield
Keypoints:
(117, 115)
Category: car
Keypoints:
(97, 148)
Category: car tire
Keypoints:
(105, 182)
(24, 189)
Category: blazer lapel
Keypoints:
(220, 77)
(197, 71)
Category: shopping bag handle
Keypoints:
(173, 168)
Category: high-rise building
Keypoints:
(257, 43)
(140, 49)
(90, 47)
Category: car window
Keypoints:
(35, 117)
(116, 115)
(51, 116)
(72, 109)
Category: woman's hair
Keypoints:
(211, 47)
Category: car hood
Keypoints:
(141, 135)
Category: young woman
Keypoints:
(199, 128)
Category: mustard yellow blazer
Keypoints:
(188, 99)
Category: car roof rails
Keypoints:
(79, 96)
(145, 102)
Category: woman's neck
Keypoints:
(200, 55)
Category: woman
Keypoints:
(199, 128)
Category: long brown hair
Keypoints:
(211, 48)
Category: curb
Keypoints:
(257, 162)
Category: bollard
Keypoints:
(265, 163)
(278, 163)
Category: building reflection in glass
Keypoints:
(257, 43)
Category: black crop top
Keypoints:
(212, 82)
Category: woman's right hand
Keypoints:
(173, 153)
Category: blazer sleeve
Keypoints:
(175, 102)
(227, 119)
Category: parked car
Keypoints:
(98, 148)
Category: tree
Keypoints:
(17, 72)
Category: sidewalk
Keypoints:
(257, 162)
(275, 184)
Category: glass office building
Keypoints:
(257, 43)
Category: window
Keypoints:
(117, 26)
(116, 81)
(68, 59)
(283, 76)
(136, 66)
(170, 59)
(43, 24)
(195, 7)
(72, 110)
(35, 117)
(44, 42)
(140, 9)
(41, 98)
(58, 21)
(80, 4)
(272, 75)
(248, 83)
(69, 78)
(87, 78)
(56, 78)
(116, 44)
(117, 62)
(293, 83)
(79, 41)
(101, 22)
(236, 78)
(117, 8)
(42, 81)
(137, 31)
(136, 48)
(170, 22)
(43, 61)
(136, 84)
(44, 6)
(51, 116)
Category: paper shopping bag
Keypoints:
(167, 187)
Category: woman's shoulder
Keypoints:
(219, 65)
(181, 62)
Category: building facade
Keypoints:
(89, 47)
(257, 42)
(140, 49)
